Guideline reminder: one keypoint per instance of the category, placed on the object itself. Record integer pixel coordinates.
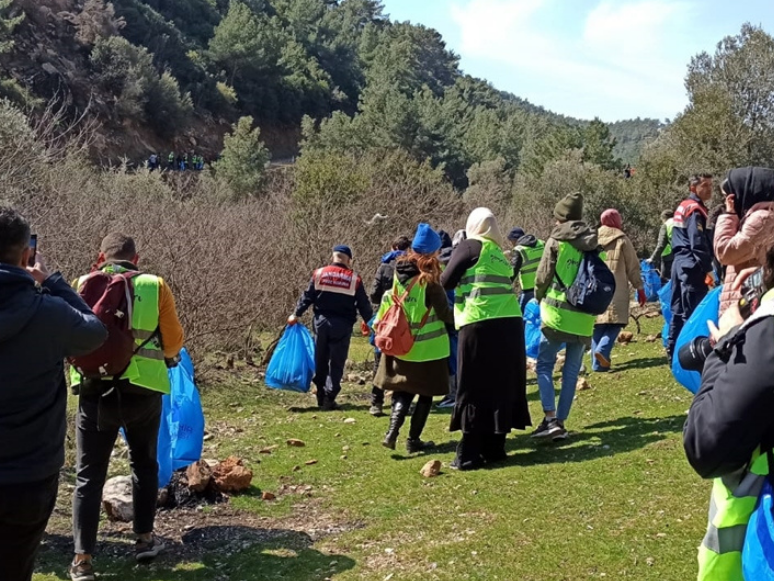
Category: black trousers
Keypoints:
(685, 298)
(24, 513)
(331, 347)
(138, 411)
(475, 448)
(377, 394)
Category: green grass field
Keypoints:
(617, 501)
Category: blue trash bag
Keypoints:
(758, 552)
(696, 326)
(665, 298)
(651, 281)
(187, 416)
(181, 431)
(292, 365)
(532, 328)
(164, 445)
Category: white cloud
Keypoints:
(619, 61)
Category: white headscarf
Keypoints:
(483, 224)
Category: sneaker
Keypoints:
(145, 552)
(82, 571)
(376, 411)
(543, 430)
(558, 431)
(603, 361)
(445, 403)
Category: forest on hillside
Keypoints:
(341, 68)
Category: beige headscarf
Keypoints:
(483, 224)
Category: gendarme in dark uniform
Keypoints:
(337, 295)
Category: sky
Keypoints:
(612, 59)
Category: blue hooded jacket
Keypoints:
(39, 327)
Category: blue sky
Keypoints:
(613, 59)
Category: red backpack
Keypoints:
(111, 297)
(393, 331)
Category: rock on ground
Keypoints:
(199, 476)
(431, 469)
(626, 337)
(231, 475)
(117, 499)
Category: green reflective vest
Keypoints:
(530, 261)
(731, 506)
(670, 225)
(485, 291)
(431, 341)
(555, 312)
(147, 368)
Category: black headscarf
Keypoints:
(750, 186)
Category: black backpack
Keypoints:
(594, 286)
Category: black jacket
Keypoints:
(692, 246)
(336, 305)
(38, 329)
(733, 413)
(382, 281)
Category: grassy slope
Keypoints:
(617, 501)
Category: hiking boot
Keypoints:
(543, 430)
(376, 411)
(146, 551)
(466, 466)
(557, 431)
(416, 446)
(81, 571)
(603, 361)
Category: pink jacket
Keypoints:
(742, 244)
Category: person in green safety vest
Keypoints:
(730, 428)
(525, 259)
(132, 402)
(424, 370)
(662, 255)
(492, 366)
(563, 325)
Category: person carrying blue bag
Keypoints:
(337, 295)
(730, 428)
(131, 400)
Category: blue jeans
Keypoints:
(546, 362)
(526, 296)
(603, 342)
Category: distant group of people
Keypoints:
(43, 320)
(179, 162)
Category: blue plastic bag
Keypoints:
(164, 445)
(651, 281)
(758, 552)
(694, 327)
(181, 431)
(292, 364)
(665, 298)
(187, 416)
(532, 328)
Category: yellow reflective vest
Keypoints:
(555, 311)
(147, 368)
(431, 341)
(486, 291)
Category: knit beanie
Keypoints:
(426, 240)
(569, 208)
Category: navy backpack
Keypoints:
(594, 286)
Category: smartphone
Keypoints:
(34, 247)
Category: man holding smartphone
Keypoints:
(42, 321)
